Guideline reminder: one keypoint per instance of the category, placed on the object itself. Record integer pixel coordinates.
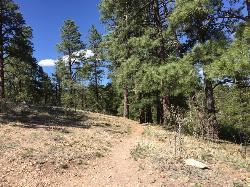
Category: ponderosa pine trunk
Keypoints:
(163, 111)
(212, 123)
(2, 94)
(70, 76)
(142, 116)
(70, 70)
(82, 99)
(166, 110)
(142, 113)
(2, 91)
(71, 81)
(96, 86)
(248, 9)
(212, 130)
(59, 96)
(159, 109)
(126, 102)
(149, 116)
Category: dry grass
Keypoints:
(34, 145)
(48, 146)
(227, 167)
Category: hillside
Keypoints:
(54, 147)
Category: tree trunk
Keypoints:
(159, 109)
(96, 85)
(149, 116)
(157, 17)
(248, 9)
(2, 94)
(142, 113)
(59, 94)
(126, 102)
(2, 39)
(70, 79)
(56, 95)
(82, 99)
(45, 99)
(211, 111)
(212, 124)
(142, 116)
(166, 110)
(70, 71)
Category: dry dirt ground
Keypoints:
(54, 147)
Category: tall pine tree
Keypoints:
(95, 65)
(72, 48)
(12, 31)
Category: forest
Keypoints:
(175, 63)
(161, 98)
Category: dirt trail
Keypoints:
(46, 154)
(119, 168)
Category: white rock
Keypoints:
(195, 163)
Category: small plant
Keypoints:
(236, 162)
(207, 157)
(129, 130)
(58, 137)
(99, 154)
(239, 184)
(63, 166)
(179, 121)
(198, 185)
(142, 150)
(150, 132)
(28, 153)
(153, 133)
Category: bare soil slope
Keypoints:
(54, 147)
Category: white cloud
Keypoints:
(50, 62)
(79, 53)
(78, 56)
(89, 54)
(47, 63)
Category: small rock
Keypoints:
(195, 163)
(153, 181)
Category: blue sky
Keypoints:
(47, 16)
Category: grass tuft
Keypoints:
(142, 150)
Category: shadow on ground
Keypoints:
(44, 117)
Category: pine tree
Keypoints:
(119, 17)
(95, 64)
(201, 23)
(70, 45)
(21, 70)
(12, 32)
(72, 48)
